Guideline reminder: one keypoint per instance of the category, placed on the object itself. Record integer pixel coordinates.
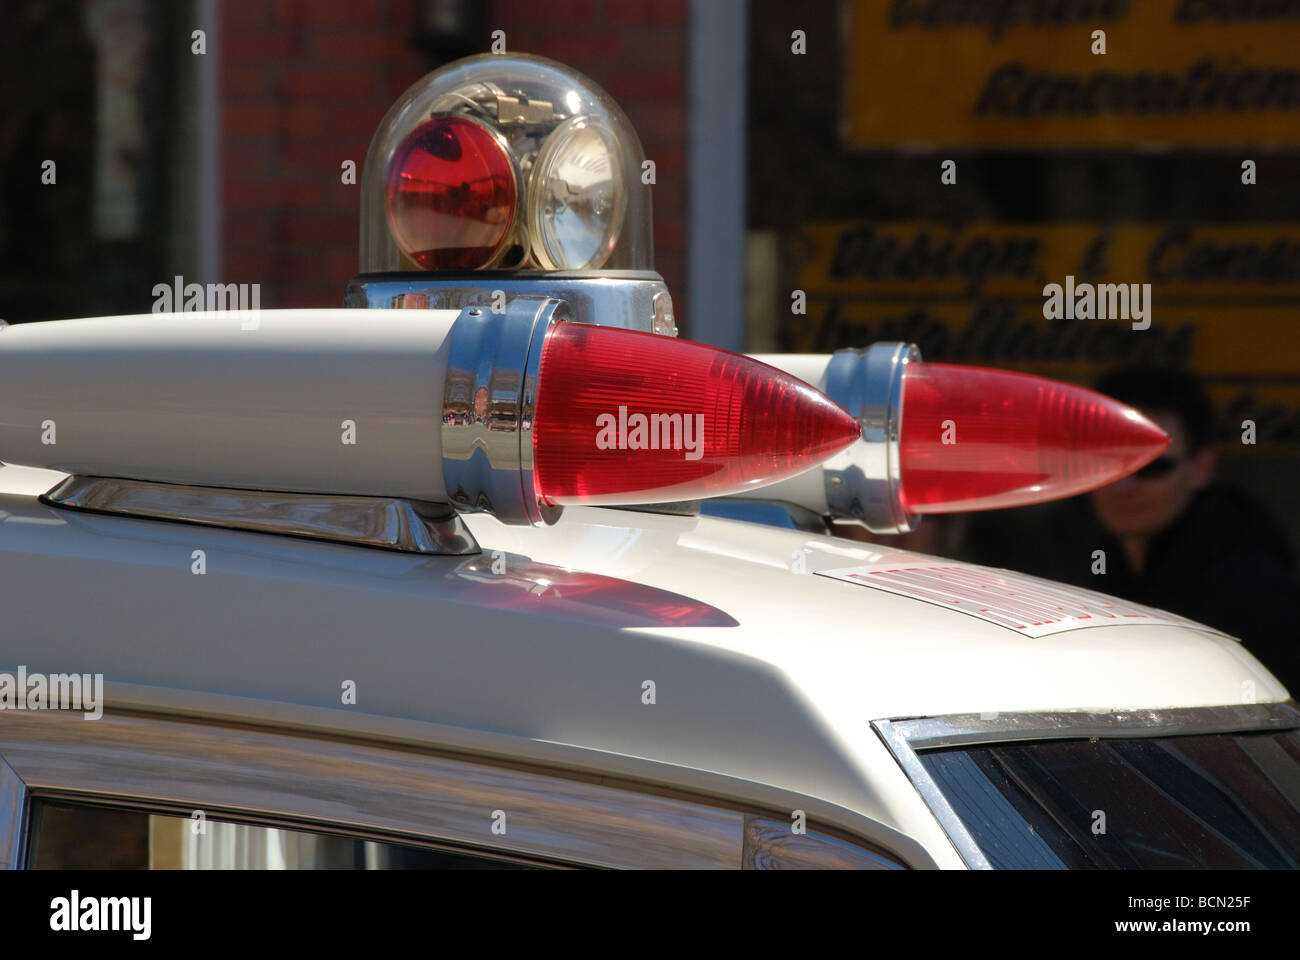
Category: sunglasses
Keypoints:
(1159, 467)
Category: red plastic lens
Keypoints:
(451, 194)
(629, 417)
(975, 439)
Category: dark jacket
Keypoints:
(1225, 563)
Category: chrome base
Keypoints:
(863, 484)
(387, 523)
(489, 398)
(632, 299)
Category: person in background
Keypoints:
(1172, 537)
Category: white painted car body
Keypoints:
(767, 676)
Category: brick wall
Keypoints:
(305, 82)
(636, 50)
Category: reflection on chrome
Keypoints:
(410, 526)
(489, 394)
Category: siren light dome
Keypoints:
(509, 162)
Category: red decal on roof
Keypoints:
(1036, 607)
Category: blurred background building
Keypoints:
(800, 151)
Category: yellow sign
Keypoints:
(1070, 301)
(1033, 73)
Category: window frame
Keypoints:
(324, 831)
(365, 789)
(906, 738)
(352, 788)
(13, 817)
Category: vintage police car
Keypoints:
(425, 581)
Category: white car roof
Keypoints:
(763, 670)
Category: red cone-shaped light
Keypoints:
(624, 417)
(976, 439)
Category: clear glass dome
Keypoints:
(509, 162)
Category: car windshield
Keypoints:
(1222, 801)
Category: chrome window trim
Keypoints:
(906, 737)
(13, 817)
(927, 733)
(938, 804)
(357, 788)
(771, 845)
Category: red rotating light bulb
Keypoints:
(976, 439)
(451, 194)
(625, 417)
